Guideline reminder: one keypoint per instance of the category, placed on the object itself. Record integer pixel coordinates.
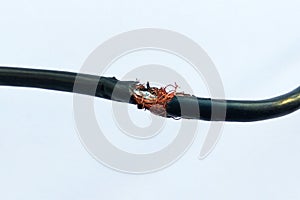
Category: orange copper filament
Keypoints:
(153, 98)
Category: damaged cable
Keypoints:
(160, 101)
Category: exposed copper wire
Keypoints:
(153, 98)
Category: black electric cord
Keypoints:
(106, 87)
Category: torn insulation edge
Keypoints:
(154, 99)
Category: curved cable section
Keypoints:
(112, 89)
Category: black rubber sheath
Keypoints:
(113, 89)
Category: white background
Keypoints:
(255, 46)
